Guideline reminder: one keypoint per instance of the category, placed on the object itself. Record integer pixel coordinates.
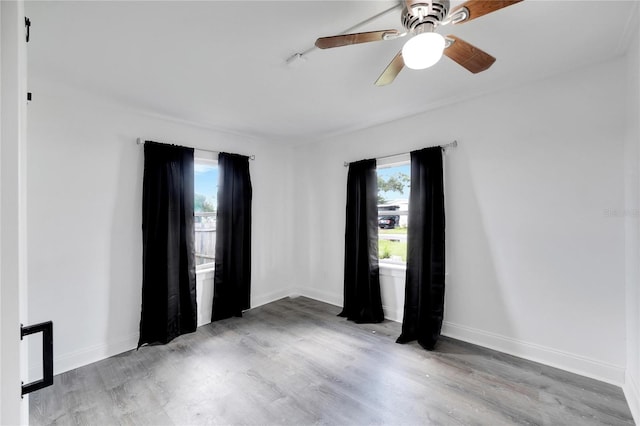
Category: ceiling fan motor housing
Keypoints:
(424, 12)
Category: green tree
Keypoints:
(201, 204)
(393, 183)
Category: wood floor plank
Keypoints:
(294, 362)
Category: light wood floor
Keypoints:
(294, 362)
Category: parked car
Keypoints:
(388, 222)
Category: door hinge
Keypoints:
(27, 24)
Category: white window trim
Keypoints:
(392, 269)
(393, 161)
(203, 274)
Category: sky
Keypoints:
(390, 171)
(206, 182)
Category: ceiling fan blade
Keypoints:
(391, 72)
(356, 38)
(469, 56)
(478, 8)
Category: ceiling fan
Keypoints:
(421, 18)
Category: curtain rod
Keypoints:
(141, 141)
(445, 146)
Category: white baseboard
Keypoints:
(632, 393)
(336, 300)
(545, 355)
(91, 354)
(320, 295)
(573, 363)
(263, 299)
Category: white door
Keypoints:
(13, 356)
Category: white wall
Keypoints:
(632, 226)
(84, 217)
(535, 244)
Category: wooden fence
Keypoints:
(205, 237)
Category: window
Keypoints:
(205, 177)
(394, 179)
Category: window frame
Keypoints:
(387, 163)
(207, 158)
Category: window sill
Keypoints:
(392, 269)
(205, 273)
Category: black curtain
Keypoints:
(424, 291)
(232, 276)
(362, 302)
(168, 266)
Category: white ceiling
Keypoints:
(222, 64)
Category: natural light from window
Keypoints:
(393, 210)
(205, 179)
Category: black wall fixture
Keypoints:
(47, 355)
(27, 24)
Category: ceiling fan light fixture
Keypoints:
(423, 50)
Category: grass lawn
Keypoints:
(387, 248)
(398, 230)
